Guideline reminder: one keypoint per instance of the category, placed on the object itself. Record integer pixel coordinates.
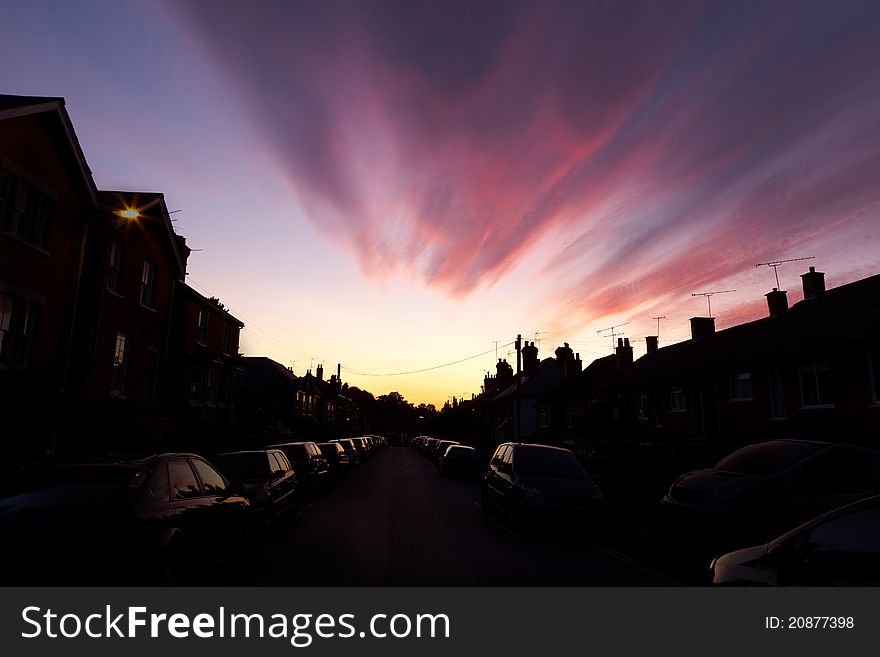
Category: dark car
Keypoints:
(354, 456)
(775, 485)
(440, 449)
(529, 482)
(363, 448)
(460, 461)
(429, 445)
(158, 520)
(841, 548)
(337, 459)
(269, 482)
(312, 469)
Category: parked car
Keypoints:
(363, 448)
(840, 548)
(440, 449)
(460, 461)
(158, 520)
(269, 482)
(528, 482)
(775, 485)
(354, 456)
(337, 459)
(312, 469)
(429, 446)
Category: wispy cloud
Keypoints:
(670, 145)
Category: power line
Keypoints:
(425, 369)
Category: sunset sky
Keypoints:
(397, 185)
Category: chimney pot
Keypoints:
(777, 302)
(701, 326)
(813, 282)
(651, 341)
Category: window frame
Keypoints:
(119, 375)
(813, 364)
(148, 284)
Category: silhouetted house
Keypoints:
(268, 399)
(809, 371)
(131, 268)
(512, 401)
(583, 407)
(47, 198)
(205, 369)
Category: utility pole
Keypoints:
(517, 417)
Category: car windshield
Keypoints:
(766, 458)
(244, 466)
(456, 452)
(547, 463)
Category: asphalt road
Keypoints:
(395, 522)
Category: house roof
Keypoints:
(597, 375)
(12, 107)
(206, 300)
(846, 314)
(151, 204)
(263, 372)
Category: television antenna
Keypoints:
(708, 296)
(614, 333)
(658, 324)
(775, 264)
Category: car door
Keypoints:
(224, 513)
(844, 551)
(186, 508)
(495, 487)
(283, 482)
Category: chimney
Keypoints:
(701, 326)
(530, 357)
(319, 372)
(814, 283)
(184, 250)
(652, 342)
(624, 353)
(777, 302)
(503, 371)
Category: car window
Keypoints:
(496, 457)
(858, 531)
(507, 457)
(548, 463)
(767, 458)
(184, 484)
(159, 484)
(212, 480)
(278, 462)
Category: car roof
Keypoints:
(539, 446)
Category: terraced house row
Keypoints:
(103, 345)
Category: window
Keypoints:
(120, 365)
(196, 385)
(202, 327)
(148, 280)
(741, 386)
(18, 323)
(153, 392)
(6, 182)
(677, 402)
(212, 480)
(777, 394)
(226, 338)
(211, 397)
(114, 268)
(642, 406)
(815, 382)
(874, 374)
(184, 484)
(543, 419)
(25, 211)
(223, 389)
